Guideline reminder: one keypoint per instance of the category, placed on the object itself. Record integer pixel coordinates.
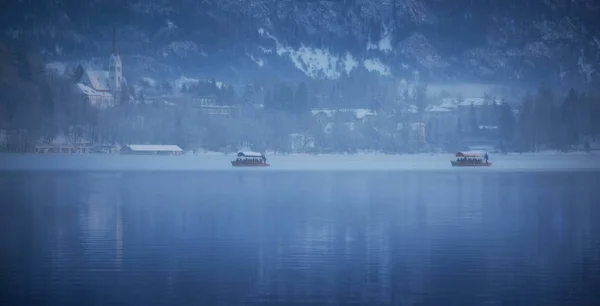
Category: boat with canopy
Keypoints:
(250, 159)
(471, 159)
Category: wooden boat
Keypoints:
(470, 159)
(250, 159)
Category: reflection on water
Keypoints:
(376, 238)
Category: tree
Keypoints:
(27, 103)
(226, 95)
(568, 114)
(249, 95)
(268, 102)
(586, 145)
(593, 116)
(166, 88)
(301, 99)
(506, 122)
(545, 117)
(283, 98)
(526, 139)
(474, 125)
(420, 97)
(459, 130)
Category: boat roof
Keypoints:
(470, 154)
(249, 154)
(158, 148)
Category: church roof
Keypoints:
(98, 79)
(88, 91)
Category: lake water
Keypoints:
(302, 238)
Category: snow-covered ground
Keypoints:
(216, 161)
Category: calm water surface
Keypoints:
(302, 238)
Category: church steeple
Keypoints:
(115, 67)
(114, 48)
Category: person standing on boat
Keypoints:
(486, 158)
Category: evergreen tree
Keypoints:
(506, 122)
(283, 98)
(474, 125)
(525, 125)
(593, 115)
(420, 98)
(248, 97)
(429, 132)
(568, 113)
(586, 145)
(301, 99)
(546, 117)
(459, 130)
(268, 102)
(166, 88)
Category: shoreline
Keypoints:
(297, 162)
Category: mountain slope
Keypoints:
(553, 41)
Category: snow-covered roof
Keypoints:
(114, 58)
(472, 101)
(98, 79)
(412, 109)
(328, 112)
(450, 104)
(359, 113)
(473, 153)
(414, 126)
(154, 148)
(60, 139)
(438, 109)
(249, 154)
(299, 135)
(449, 101)
(488, 127)
(88, 91)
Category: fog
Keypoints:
(352, 152)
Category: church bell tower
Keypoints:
(115, 68)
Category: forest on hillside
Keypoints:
(38, 105)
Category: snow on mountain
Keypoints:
(418, 48)
(260, 62)
(321, 63)
(349, 63)
(552, 41)
(315, 63)
(181, 48)
(183, 80)
(385, 43)
(375, 65)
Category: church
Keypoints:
(101, 88)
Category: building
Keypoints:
(101, 88)
(359, 115)
(62, 145)
(204, 100)
(301, 142)
(208, 105)
(416, 134)
(97, 98)
(442, 122)
(134, 149)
